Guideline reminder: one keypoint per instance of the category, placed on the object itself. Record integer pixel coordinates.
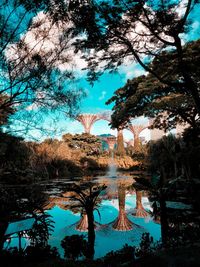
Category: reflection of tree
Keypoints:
(21, 203)
(156, 189)
(122, 223)
(139, 210)
(87, 197)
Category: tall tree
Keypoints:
(87, 143)
(145, 95)
(87, 197)
(117, 32)
(33, 72)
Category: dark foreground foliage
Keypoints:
(187, 256)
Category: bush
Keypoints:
(74, 246)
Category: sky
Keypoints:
(96, 97)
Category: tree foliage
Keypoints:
(87, 197)
(87, 143)
(74, 246)
(31, 55)
(167, 105)
(21, 203)
(119, 32)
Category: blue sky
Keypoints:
(98, 95)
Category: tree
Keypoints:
(74, 246)
(167, 105)
(128, 31)
(14, 159)
(155, 187)
(120, 151)
(174, 177)
(87, 197)
(6, 112)
(164, 157)
(87, 143)
(31, 54)
(22, 202)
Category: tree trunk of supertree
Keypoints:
(122, 223)
(91, 234)
(136, 143)
(120, 143)
(139, 210)
(83, 223)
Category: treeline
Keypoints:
(22, 161)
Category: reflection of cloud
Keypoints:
(102, 96)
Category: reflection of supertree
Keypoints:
(122, 223)
(139, 210)
(82, 225)
(136, 130)
(87, 120)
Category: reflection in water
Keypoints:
(86, 197)
(82, 225)
(22, 215)
(122, 223)
(139, 210)
(113, 229)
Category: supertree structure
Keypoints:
(130, 143)
(139, 209)
(82, 224)
(122, 223)
(87, 120)
(111, 141)
(136, 130)
(120, 143)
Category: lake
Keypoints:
(123, 214)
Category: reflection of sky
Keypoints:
(107, 239)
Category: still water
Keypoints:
(124, 215)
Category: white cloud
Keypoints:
(102, 96)
(46, 39)
(31, 107)
(134, 73)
